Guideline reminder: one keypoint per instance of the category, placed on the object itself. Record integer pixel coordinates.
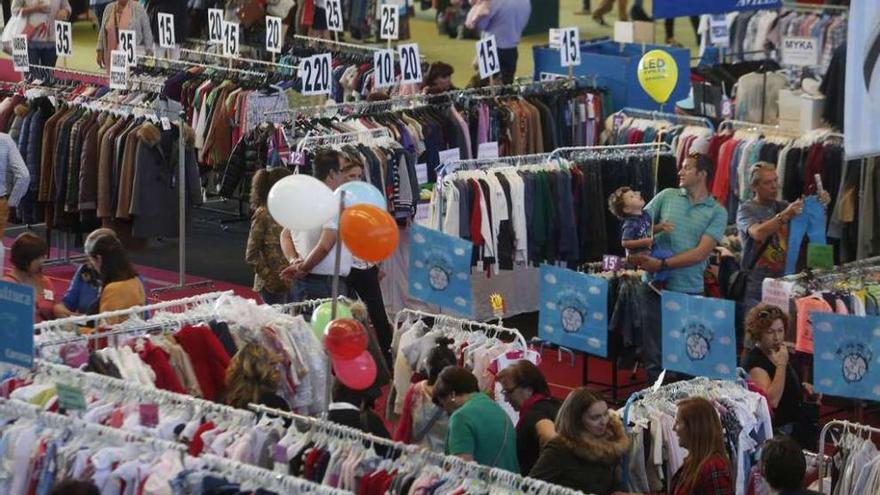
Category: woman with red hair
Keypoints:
(706, 469)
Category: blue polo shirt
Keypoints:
(691, 222)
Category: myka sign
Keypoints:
(800, 51)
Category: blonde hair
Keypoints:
(252, 373)
(89, 243)
(756, 170)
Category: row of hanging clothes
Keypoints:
(549, 209)
(632, 126)
(855, 459)
(97, 157)
(359, 17)
(655, 453)
(190, 351)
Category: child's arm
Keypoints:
(636, 244)
(663, 226)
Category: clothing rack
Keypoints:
(268, 479)
(468, 468)
(17, 410)
(837, 272)
(311, 142)
(653, 115)
(492, 330)
(624, 148)
(243, 60)
(339, 44)
(845, 426)
(359, 107)
(514, 160)
(96, 75)
(187, 63)
(751, 126)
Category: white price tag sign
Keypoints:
(410, 63)
(127, 43)
(20, 61)
(487, 57)
(389, 22)
(422, 173)
(719, 31)
(215, 25)
(570, 49)
(166, 30)
(315, 74)
(800, 51)
(118, 70)
(230, 39)
(487, 150)
(383, 68)
(273, 34)
(555, 38)
(63, 39)
(333, 9)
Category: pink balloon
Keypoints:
(345, 338)
(358, 373)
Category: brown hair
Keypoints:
(454, 380)
(616, 202)
(704, 438)
(262, 183)
(761, 318)
(436, 71)
(252, 372)
(115, 266)
(703, 163)
(25, 249)
(569, 420)
(526, 375)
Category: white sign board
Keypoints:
(273, 34)
(389, 22)
(777, 293)
(215, 25)
(127, 43)
(487, 57)
(487, 150)
(800, 51)
(166, 30)
(555, 38)
(383, 68)
(315, 72)
(20, 54)
(333, 11)
(63, 39)
(570, 51)
(118, 70)
(719, 31)
(230, 44)
(410, 63)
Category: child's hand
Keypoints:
(665, 226)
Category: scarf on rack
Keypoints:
(527, 406)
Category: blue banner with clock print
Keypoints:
(699, 337)
(574, 310)
(440, 270)
(846, 362)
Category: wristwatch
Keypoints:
(780, 219)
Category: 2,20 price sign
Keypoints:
(315, 74)
(383, 68)
(389, 22)
(410, 63)
(273, 34)
(487, 57)
(166, 30)
(63, 39)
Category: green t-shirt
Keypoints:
(479, 428)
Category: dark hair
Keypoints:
(75, 487)
(783, 464)
(616, 202)
(440, 357)
(705, 164)
(454, 380)
(115, 266)
(436, 71)
(526, 375)
(341, 393)
(25, 249)
(262, 183)
(325, 162)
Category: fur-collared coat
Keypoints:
(587, 465)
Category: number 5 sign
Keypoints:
(570, 49)
(487, 57)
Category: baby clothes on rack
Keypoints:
(855, 465)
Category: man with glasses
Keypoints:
(698, 223)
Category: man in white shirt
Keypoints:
(311, 253)
(14, 178)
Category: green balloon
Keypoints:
(321, 317)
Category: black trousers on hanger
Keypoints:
(365, 284)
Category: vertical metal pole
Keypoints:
(181, 198)
(334, 293)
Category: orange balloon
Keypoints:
(369, 232)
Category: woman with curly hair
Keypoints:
(263, 253)
(252, 377)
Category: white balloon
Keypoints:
(302, 202)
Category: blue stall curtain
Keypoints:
(680, 8)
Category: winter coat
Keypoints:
(21, 112)
(590, 466)
(248, 156)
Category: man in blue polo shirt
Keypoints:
(698, 223)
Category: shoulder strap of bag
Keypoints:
(430, 424)
(503, 444)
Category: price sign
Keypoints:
(570, 49)
(127, 43)
(315, 74)
(166, 30)
(215, 25)
(487, 57)
(230, 39)
(389, 23)
(383, 68)
(611, 263)
(70, 397)
(63, 39)
(555, 38)
(410, 63)
(20, 54)
(118, 70)
(334, 15)
(719, 31)
(273, 34)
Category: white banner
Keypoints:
(862, 134)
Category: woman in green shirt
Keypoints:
(479, 430)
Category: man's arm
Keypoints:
(21, 176)
(693, 256)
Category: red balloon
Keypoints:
(358, 373)
(345, 338)
(369, 232)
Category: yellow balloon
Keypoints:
(658, 74)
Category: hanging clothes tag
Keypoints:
(117, 418)
(149, 414)
(591, 107)
(166, 124)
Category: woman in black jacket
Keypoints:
(585, 454)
